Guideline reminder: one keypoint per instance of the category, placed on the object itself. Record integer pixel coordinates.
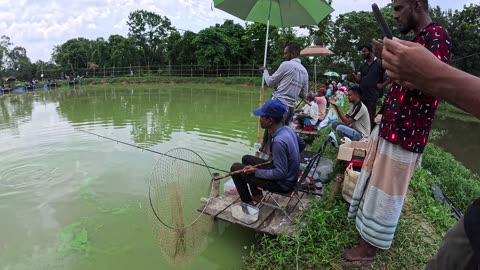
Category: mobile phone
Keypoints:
(381, 21)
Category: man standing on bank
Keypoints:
(370, 77)
(291, 80)
(396, 146)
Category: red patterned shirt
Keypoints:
(408, 113)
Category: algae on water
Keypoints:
(75, 237)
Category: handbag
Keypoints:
(350, 181)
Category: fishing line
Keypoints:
(153, 151)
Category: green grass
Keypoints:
(324, 231)
(446, 110)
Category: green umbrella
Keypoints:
(281, 13)
(331, 74)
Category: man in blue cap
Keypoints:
(281, 174)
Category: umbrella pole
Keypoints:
(315, 71)
(262, 90)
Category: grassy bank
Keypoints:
(326, 231)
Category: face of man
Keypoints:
(265, 122)
(403, 14)
(287, 55)
(365, 53)
(352, 98)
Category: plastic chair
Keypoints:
(311, 166)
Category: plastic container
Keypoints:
(229, 187)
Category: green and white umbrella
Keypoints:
(281, 13)
(331, 74)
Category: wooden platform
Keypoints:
(270, 220)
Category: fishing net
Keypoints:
(178, 181)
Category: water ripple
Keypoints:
(25, 175)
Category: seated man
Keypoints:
(281, 174)
(356, 123)
(322, 103)
(308, 115)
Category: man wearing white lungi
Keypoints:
(396, 145)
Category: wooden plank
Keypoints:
(271, 220)
(222, 205)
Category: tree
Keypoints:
(18, 64)
(74, 54)
(150, 32)
(464, 31)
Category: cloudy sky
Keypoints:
(38, 25)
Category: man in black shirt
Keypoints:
(370, 77)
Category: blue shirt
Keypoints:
(285, 158)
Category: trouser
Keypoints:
(346, 131)
(371, 105)
(245, 181)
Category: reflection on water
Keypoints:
(461, 139)
(70, 200)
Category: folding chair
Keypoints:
(312, 164)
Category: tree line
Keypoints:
(152, 41)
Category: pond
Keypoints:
(461, 139)
(71, 200)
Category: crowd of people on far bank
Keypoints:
(397, 133)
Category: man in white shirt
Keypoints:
(356, 123)
(291, 79)
(308, 115)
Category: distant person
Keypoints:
(399, 142)
(356, 123)
(281, 175)
(322, 103)
(308, 115)
(460, 248)
(370, 77)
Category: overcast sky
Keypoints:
(39, 25)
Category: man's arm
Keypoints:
(275, 79)
(304, 91)
(345, 119)
(280, 164)
(414, 65)
(301, 143)
(356, 78)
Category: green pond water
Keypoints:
(70, 200)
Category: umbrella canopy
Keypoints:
(315, 51)
(11, 79)
(283, 13)
(331, 74)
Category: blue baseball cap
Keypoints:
(272, 108)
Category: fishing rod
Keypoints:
(152, 151)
